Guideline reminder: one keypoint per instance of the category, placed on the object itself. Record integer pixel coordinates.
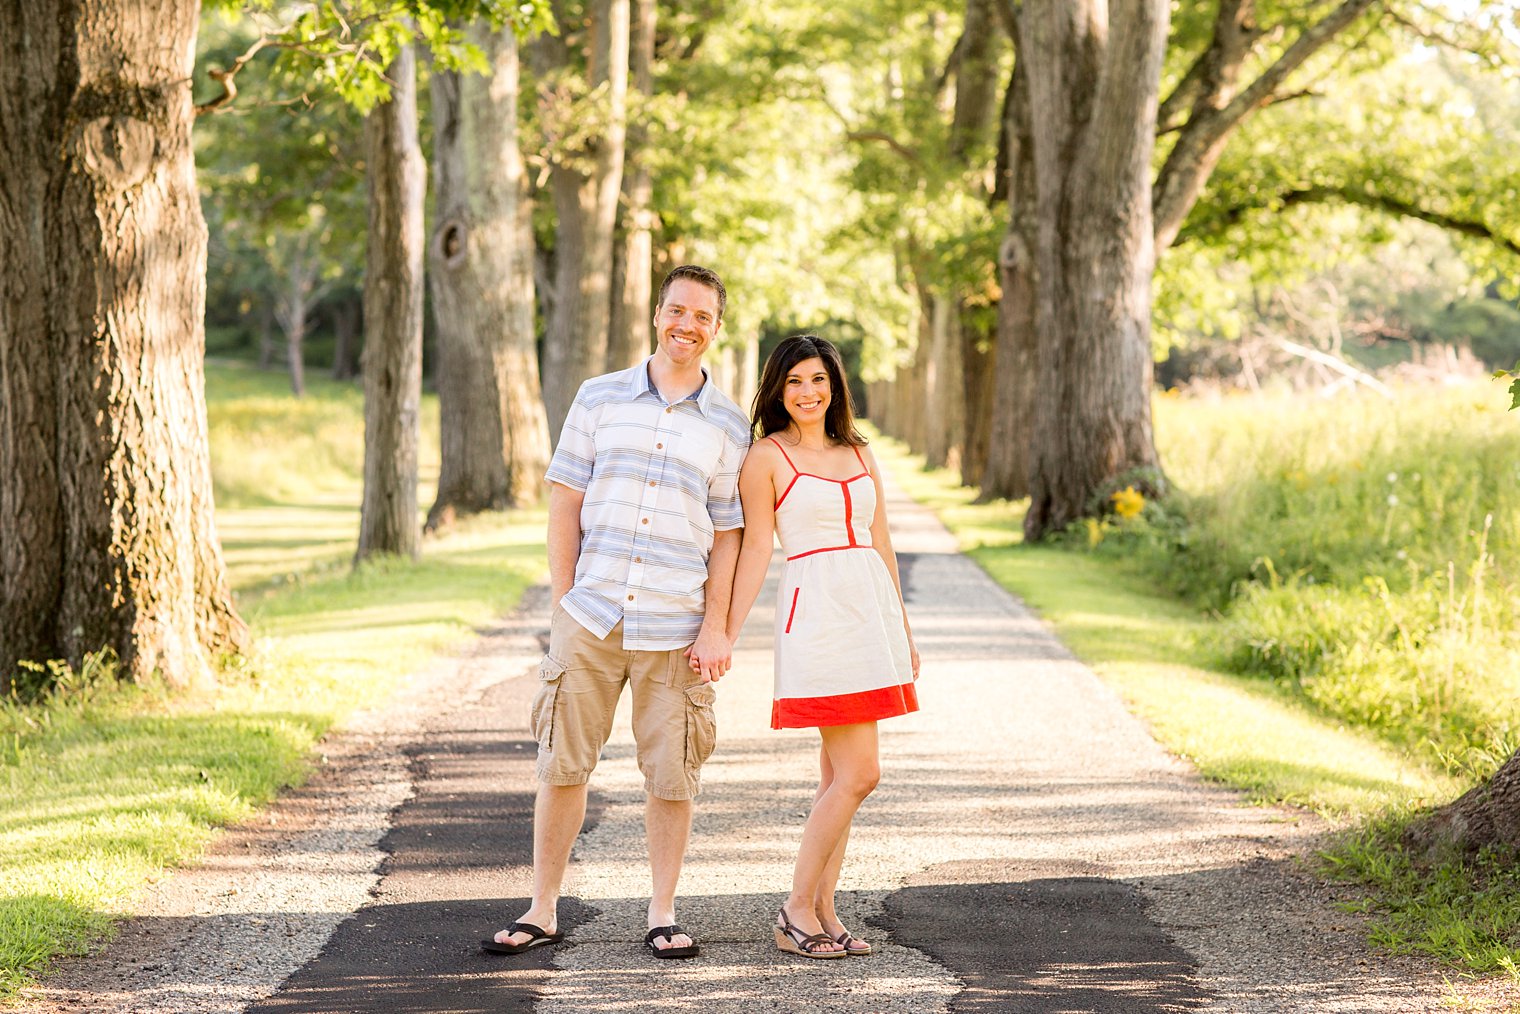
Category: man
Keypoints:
(644, 531)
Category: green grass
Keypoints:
(108, 786)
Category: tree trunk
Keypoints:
(1487, 816)
(107, 539)
(629, 338)
(1093, 82)
(1012, 412)
(345, 322)
(585, 206)
(495, 440)
(977, 371)
(293, 310)
(392, 359)
(944, 387)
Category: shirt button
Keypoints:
(644, 521)
(630, 598)
(651, 484)
(659, 447)
(638, 559)
(669, 410)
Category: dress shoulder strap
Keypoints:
(785, 455)
(856, 449)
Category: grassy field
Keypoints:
(1323, 615)
(106, 787)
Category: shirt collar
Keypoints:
(703, 395)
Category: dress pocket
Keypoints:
(793, 614)
(701, 725)
(541, 715)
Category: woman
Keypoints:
(844, 653)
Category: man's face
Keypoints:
(687, 321)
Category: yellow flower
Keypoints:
(1128, 502)
(1094, 531)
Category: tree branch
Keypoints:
(226, 78)
(1378, 202)
(1203, 137)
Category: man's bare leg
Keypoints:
(558, 813)
(667, 826)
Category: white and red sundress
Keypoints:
(841, 650)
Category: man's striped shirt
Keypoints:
(659, 480)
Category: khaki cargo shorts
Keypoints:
(580, 681)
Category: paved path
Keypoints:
(1029, 849)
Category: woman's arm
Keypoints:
(757, 490)
(881, 541)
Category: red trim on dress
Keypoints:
(844, 709)
(795, 592)
(788, 489)
(827, 549)
(849, 507)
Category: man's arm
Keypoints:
(713, 652)
(564, 538)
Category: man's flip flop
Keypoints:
(538, 938)
(669, 933)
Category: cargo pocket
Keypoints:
(701, 725)
(541, 717)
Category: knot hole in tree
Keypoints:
(452, 241)
(118, 150)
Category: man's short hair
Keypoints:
(696, 273)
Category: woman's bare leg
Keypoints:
(850, 768)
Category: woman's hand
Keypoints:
(913, 656)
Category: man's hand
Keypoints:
(711, 655)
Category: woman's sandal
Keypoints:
(853, 945)
(793, 941)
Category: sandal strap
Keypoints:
(668, 932)
(527, 927)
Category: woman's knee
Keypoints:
(860, 781)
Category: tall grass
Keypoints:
(1364, 551)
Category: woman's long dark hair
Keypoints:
(769, 413)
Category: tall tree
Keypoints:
(1005, 473)
(584, 115)
(107, 537)
(1094, 74)
(495, 439)
(393, 306)
(633, 275)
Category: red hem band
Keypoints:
(844, 709)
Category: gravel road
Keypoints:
(1030, 849)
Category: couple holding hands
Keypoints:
(661, 521)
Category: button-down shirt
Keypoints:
(659, 480)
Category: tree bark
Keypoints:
(392, 360)
(495, 440)
(585, 184)
(1486, 816)
(629, 337)
(1015, 359)
(1094, 77)
(107, 539)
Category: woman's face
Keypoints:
(806, 392)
